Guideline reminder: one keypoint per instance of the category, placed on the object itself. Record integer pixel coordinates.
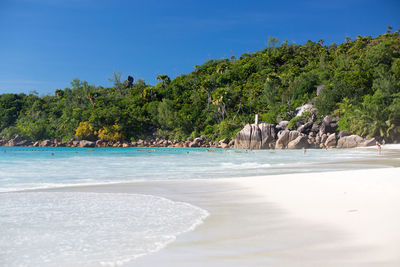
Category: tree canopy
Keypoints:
(361, 81)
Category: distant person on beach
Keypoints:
(379, 146)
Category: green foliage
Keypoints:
(227, 129)
(295, 122)
(9, 132)
(165, 114)
(269, 117)
(361, 78)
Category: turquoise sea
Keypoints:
(90, 229)
(32, 168)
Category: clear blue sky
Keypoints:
(45, 44)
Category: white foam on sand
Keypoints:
(88, 229)
(364, 204)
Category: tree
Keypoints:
(164, 79)
(116, 79)
(361, 78)
(272, 41)
(85, 131)
(111, 133)
(165, 114)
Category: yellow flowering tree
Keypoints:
(85, 131)
(110, 133)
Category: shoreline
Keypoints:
(339, 218)
(281, 220)
(276, 137)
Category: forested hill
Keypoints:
(360, 78)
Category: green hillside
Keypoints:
(360, 78)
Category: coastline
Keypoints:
(341, 218)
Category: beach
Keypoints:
(342, 218)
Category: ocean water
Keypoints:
(110, 229)
(32, 168)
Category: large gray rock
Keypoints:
(303, 108)
(315, 128)
(9, 143)
(25, 143)
(231, 143)
(331, 141)
(255, 137)
(318, 140)
(85, 143)
(313, 118)
(193, 144)
(298, 143)
(16, 141)
(99, 143)
(324, 137)
(350, 141)
(342, 134)
(283, 124)
(45, 143)
(243, 137)
(329, 125)
(293, 135)
(196, 142)
(268, 135)
(199, 140)
(224, 145)
(283, 139)
(306, 128)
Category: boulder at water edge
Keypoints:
(298, 143)
(243, 137)
(268, 135)
(331, 141)
(85, 143)
(350, 141)
(255, 137)
(283, 139)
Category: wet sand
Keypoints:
(262, 221)
(343, 218)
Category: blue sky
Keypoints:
(45, 44)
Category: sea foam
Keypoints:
(88, 229)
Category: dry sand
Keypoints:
(345, 218)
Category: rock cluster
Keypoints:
(190, 142)
(308, 135)
(252, 136)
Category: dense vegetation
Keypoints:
(361, 81)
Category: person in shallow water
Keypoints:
(378, 144)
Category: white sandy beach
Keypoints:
(343, 218)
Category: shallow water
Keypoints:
(91, 229)
(88, 229)
(31, 168)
